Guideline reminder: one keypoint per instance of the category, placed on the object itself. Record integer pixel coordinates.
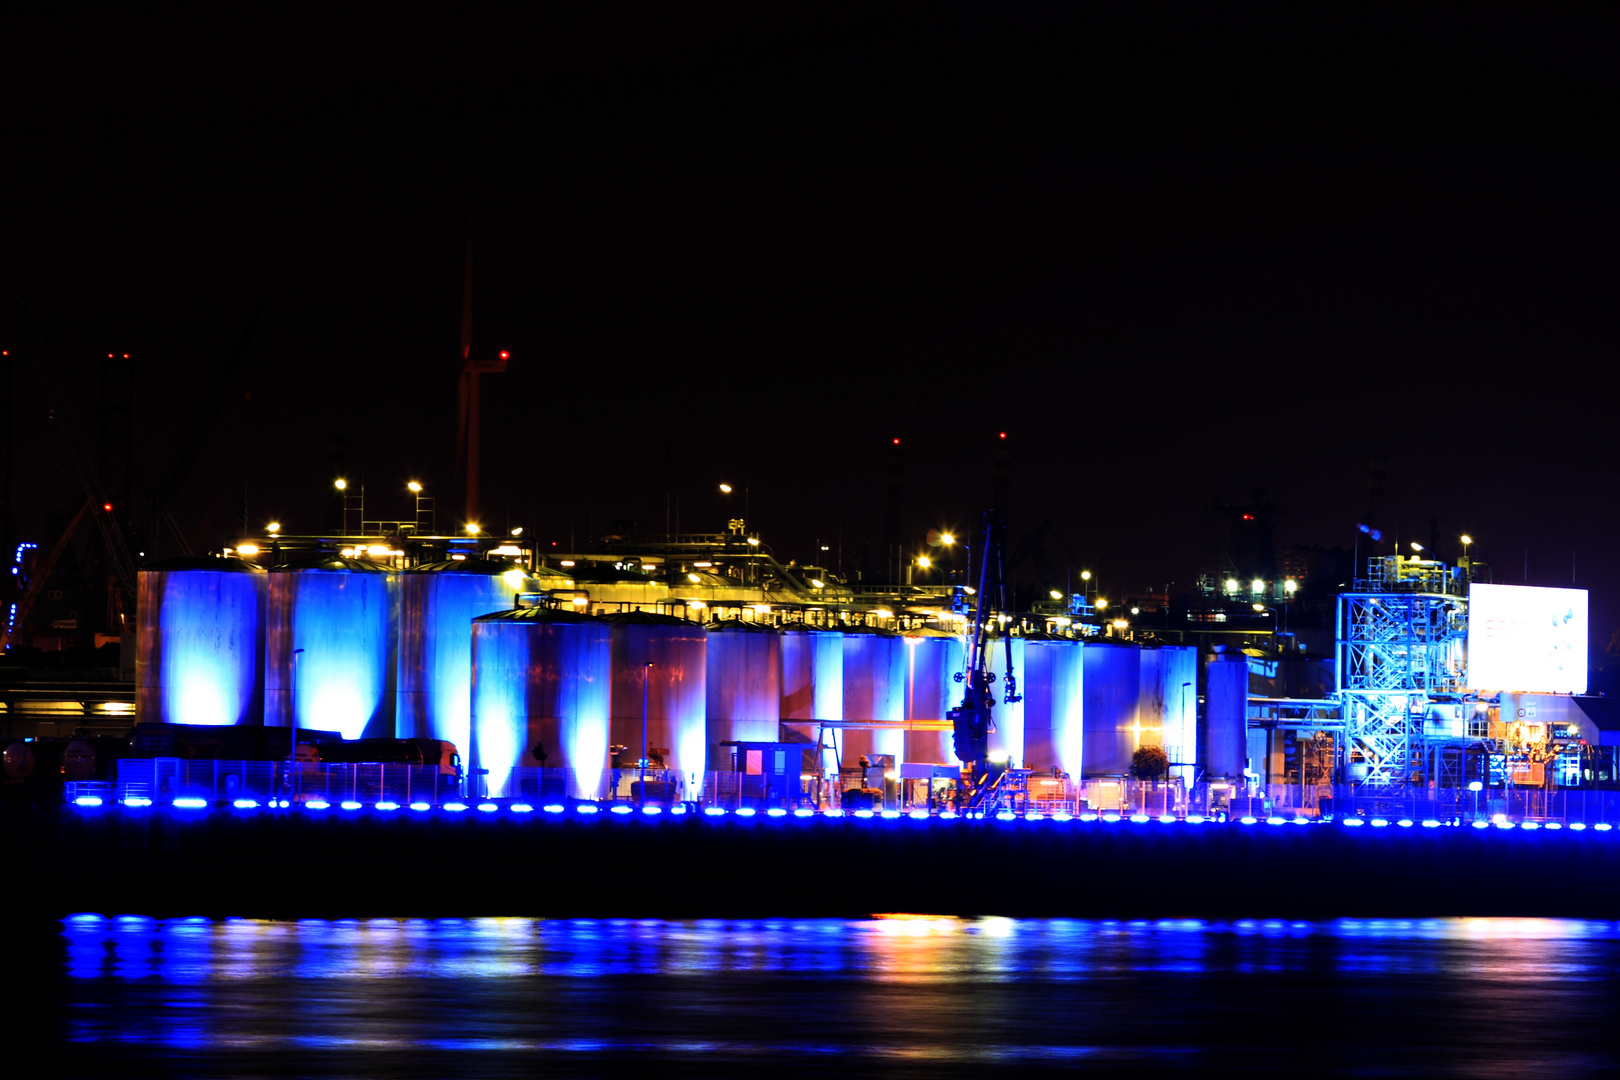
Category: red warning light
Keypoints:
(1248, 517)
(126, 356)
(107, 507)
(109, 356)
(505, 354)
(1003, 434)
(897, 442)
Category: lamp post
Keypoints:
(292, 729)
(646, 674)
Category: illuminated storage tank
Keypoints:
(1054, 705)
(874, 689)
(199, 649)
(813, 679)
(437, 604)
(676, 690)
(744, 687)
(1226, 711)
(332, 632)
(1168, 703)
(542, 681)
(1009, 717)
(933, 659)
(1112, 685)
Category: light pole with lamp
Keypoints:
(646, 678)
(292, 730)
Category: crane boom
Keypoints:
(971, 721)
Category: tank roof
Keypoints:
(739, 626)
(211, 563)
(335, 564)
(483, 567)
(647, 618)
(538, 615)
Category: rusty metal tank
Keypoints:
(933, 659)
(744, 687)
(541, 692)
(437, 604)
(874, 689)
(331, 646)
(1053, 680)
(676, 691)
(199, 645)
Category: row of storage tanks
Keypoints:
(441, 651)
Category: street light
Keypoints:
(414, 487)
(273, 528)
(341, 485)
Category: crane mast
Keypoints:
(972, 722)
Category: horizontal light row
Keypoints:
(192, 803)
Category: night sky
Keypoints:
(1177, 259)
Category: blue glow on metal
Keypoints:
(890, 815)
(455, 807)
(803, 812)
(317, 804)
(522, 808)
(1430, 823)
(587, 808)
(1379, 823)
(87, 800)
(435, 651)
(1481, 824)
(1354, 821)
(387, 806)
(745, 811)
(1276, 820)
(650, 810)
(488, 807)
(554, 808)
(863, 813)
(137, 800)
(714, 811)
(246, 804)
(623, 810)
(201, 647)
(776, 811)
(190, 803)
(346, 624)
(420, 806)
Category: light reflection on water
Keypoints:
(885, 995)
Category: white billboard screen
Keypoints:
(1526, 639)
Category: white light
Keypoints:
(387, 806)
(693, 578)
(420, 806)
(1257, 585)
(623, 810)
(137, 800)
(753, 541)
(553, 808)
(350, 804)
(273, 528)
(587, 808)
(317, 804)
(714, 811)
(1290, 585)
(652, 809)
(918, 815)
(513, 578)
(91, 800)
(246, 804)
(414, 487)
(776, 811)
(455, 807)
(247, 549)
(472, 528)
(189, 803)
(745, 811)
(341, 485)
(377, 551)
(804, 812)
(817, 583)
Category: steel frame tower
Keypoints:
(1400, 649)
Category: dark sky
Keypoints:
(1177, 258)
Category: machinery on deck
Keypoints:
(971, 721)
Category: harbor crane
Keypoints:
(971, 721)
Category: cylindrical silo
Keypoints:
(542, 681)
(1112, 687)
(1226, 706)
(1168, 703)
(744, 687)
(330, 659)
(813, 679)
(437, 604)
(1054, 705)
(676, 691)
(874, 690)
(199, 650)
(1009, 717)
(933, 658)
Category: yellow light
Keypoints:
(1416, 546)
(377, 550)
(1056, 595)
(581, 601)
(1063, 620)
(1120, 624)
(698, 604)
(472, 528)
(1136, 611)
(340, 484)
(1101, 604)
(273, 528)
(1258, 607)
(924, 561)
(1467, 539)
(693, 578)
(726, 488)
(518, 531)
(1085, 575)
(1257, 585)
(247, 549)
(944, 538)
(763, 609)
(1231, 585)
(514, 578)
(753, 541)
(506, 549)
(891, 776)
(883, 613)
(1290, 585)
(567, 562)
(818, 583)
(999, 757)
(414, 486)
(347, 553)
(458, 557)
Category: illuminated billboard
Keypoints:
(1526, 639)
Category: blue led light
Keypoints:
(1430, 823)
(1504, 824)
(420, 806)
(1578, 826)
(350, 804)
(1196, 819)
(1531, 825)
(1249, 820)
(1090, 817)
(714, 811)
(316, 804)
(1553, 825)
(1602, 826)
(677, 810)
(1482, 824)
(1276, 820)
(1167, 819)
(835, 812)
(1140, 819)
(804, 812)
(137, 800)
(488, 807)
(587, 808)
(1006, 815)
(623, 809)
(189, 803)
(745, 811)
(1110, 817)
(919, 815)
(776, 811)
(455, 807)
(1302, 821)
(246, 804)
(1034, 815)
(1062, 815)
(863, 813)
(1353, 821)
(1405, 823)
(1379, 823)
(387, 806)
(890, 815)
(522, 808)
(652, 809)
(87, 800)
(553, 808)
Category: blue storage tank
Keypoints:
(1009, 717)
(542, 680)
(933, 659)
(676, 686)
(1112, 687)
(743, 687)
(1168, 703)
(437, 604)
(199, 643)
(874, 689)
(331, 647)
(1226, 711)
(1054, 705)
(813, 679)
